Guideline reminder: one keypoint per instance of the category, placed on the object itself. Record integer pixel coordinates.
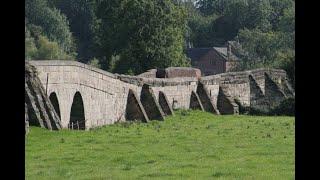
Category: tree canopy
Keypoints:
(145, 33)
(132, 36)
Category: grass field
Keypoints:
(189, 145)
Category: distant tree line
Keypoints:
(132, 36)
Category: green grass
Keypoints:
(190, 145)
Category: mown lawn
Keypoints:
(189, 145)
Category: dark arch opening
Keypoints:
(150, 103)
(164, 103)
(195, 102)
(205, 99)
(226, 104)
(77, 118)
(55, 103)
(134, 108)
(32, 119)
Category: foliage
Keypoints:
(94, 62)
(53, 23)
(30, 47)
(183, 146)
(132, 36)
(50, 50)
(199, 30)
(270, 49)
(47, 32)
(269, 22)
(209, 7)
(81, 16)
(261, 46)
(146, 34)
(266, 30)
(39, 47)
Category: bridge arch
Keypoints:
(55, 102)
(77, 115)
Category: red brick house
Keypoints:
(213, 60)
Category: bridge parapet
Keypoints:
(105, 95)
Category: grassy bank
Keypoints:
(190, 145)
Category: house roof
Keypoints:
(196, 53)
(224, 52)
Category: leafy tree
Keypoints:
(39, 47)
(30, 47)
(54, 24)
(287, 21)
(146, 34)
(50, 50)
(268, 49)
(199, 27)
(81, 16)
(278, 8)
(94, 62)
(210, 7)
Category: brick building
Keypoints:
(213, 60)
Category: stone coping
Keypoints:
(70, 63)
(138, 80)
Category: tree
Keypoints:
(50, 50)
(30, 47)
(210, 7)
(199, 27)
(39, 47)
(54, 24)
(273, 46)
(94, 62)
(145, 33)
(278, 8)
(260, 46)
(81, 16)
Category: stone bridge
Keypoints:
(89, 97)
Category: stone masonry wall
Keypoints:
(105, 95)
(239, 86)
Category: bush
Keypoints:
(53, 23)
(50, 50)
(95, 63)
(30, 47)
